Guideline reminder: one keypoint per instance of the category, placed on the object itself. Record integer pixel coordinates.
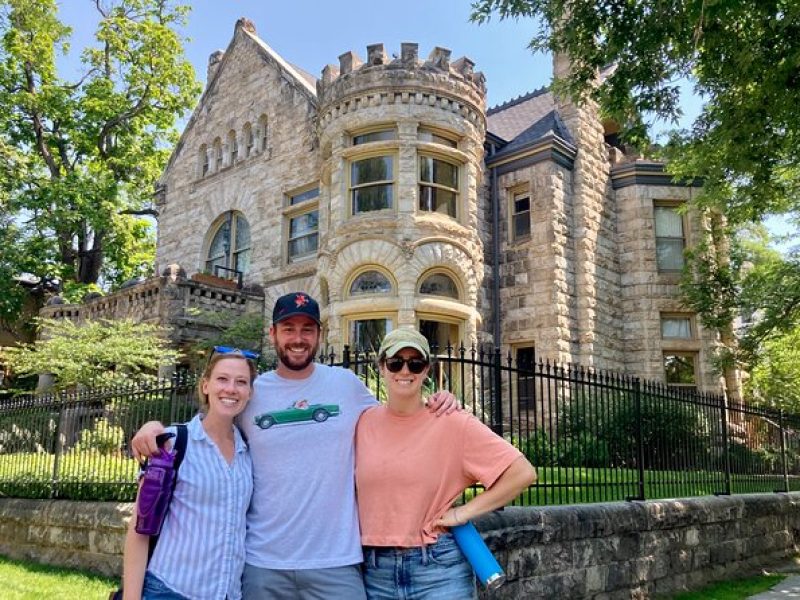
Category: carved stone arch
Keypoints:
(361, 253)
(454, 259)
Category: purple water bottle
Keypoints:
(155, 491)
(479, 556)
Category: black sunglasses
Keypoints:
(415, 365)
(231, 350)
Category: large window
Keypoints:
(366, 334)
(303, 234)
(438, 185)
(670, 238)
(520, 216)
(229, 250)
(370, 282)
(371, 181)
(680, 369)
(439, 284)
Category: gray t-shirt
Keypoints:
(303, 513)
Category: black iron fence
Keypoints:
(593, 436)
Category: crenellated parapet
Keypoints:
(381, 81)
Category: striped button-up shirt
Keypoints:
(200, 553)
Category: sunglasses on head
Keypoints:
(230, 349)
(415, 365)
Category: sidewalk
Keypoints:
(788, 588)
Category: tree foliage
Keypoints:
(93, 353)
(743, 57)
(79, 158)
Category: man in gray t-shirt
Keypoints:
(302, 526)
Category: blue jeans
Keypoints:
(435, 572)
(155, 589)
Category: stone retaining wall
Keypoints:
(597, 551)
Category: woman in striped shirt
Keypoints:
(200, 551)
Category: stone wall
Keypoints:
(597, 551)
(84, 535)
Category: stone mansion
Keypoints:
(388, 190)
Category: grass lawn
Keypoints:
(737, 589)
(24, 580)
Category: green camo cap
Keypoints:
(401, 338)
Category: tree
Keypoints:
(775, 377)
(743, 57)
(93, 353)
(78, 159)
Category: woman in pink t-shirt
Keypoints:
(410, 467)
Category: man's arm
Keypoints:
(144, 443)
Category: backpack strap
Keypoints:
(179, 447)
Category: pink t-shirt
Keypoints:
(410, 469)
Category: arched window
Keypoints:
(262, 133)
(439, 284)
(370, 282)
(249, 139)
(203, 160)
(217, 154)
(233, 147)
(229, 250)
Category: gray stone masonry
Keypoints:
(604, 551)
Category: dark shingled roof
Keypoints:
(551, 123)
(514, 117)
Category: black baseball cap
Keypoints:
(294, 305)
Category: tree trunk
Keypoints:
(722, 254)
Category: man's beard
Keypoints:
(296, 366)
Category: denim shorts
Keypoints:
(435, 572)
(155, 589)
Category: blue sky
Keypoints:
(313, 33)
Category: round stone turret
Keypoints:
(401, 143)
(355, 84)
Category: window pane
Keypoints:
(668, 222)
(679, 369)
(374, 197)
(522, 225)
(522, 204)
(302, 197)
(220, 245)
(439, 284)
(669, 254)
(242, 234)
(374, 136)
(370, 282)
(366, 335)
(439, 335)
(303, 224)
(303, 246)
(241, 261)
(437, 171)
(437, 200)
(676, 327)
(371, 169)
(445, 174)
(426, 135)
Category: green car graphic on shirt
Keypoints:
(297, 412)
